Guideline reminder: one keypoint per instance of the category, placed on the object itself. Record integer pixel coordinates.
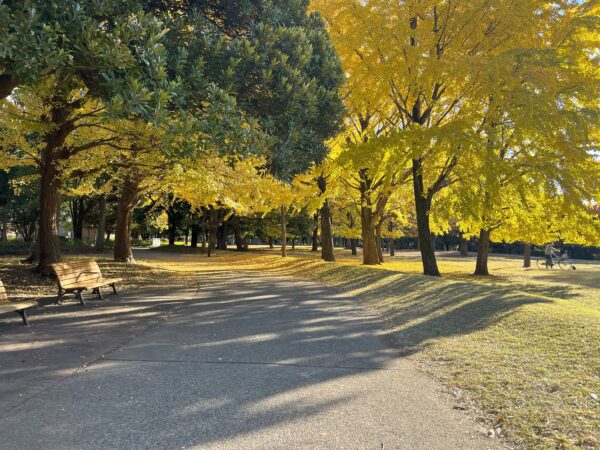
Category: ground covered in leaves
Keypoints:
(520, 349)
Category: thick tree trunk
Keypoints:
(101, 224)
(172, 226)
(47, 242)
(78, 208)
(464, 246)
(527, 255)
(222, 237)
(212, 241)
(326, 225)
(370, 256)
(127, 202)
(283, 230)
(240, 241)
(315, 235)
(379, 242)
(483, 250)
(327, 253)
(195, 234)
(422, 207)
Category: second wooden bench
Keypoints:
(76, 277)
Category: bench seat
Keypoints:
(20, 307)
(81, 276)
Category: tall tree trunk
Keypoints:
(127, 202)
(379, 242)
(391, 241)
(353, 245)
(283, 233)
(195, 234)
(315, 235)
(101, 223)
(464, 246)
(370, 255)
(172, 226)
(78, 210)
(527, 255)
(47, 242)
(240, 243)
(422, 207)
(326, 225)
(222, 237)
(483, 250)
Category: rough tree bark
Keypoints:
(282, 225)
(379, 242)
(172, 226)
(370, 256)
(222, 237)
(326, 225)
(422, 208)
(391, 241)
(315, 235)
(127, 202)
(527, 255)
(464, 246)
(195, 233)
(47, 242)
(483, 250)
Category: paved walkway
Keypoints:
(244, 361)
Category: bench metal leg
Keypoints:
(79, 295)
(114, 288)
(23, 315)
(97, 291)
(60, 296)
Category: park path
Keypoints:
(240, 361)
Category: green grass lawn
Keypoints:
(519, 350)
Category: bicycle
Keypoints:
(563, 262)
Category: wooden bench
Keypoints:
(77, 277)
(19, 307)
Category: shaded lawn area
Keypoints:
(520, 349)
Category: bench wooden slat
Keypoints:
(19, 307)
(79, 276)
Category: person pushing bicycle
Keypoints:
(550, 252)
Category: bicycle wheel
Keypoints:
(565, 264)
(541, 263)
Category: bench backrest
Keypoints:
(76, 273)
(3, 295)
